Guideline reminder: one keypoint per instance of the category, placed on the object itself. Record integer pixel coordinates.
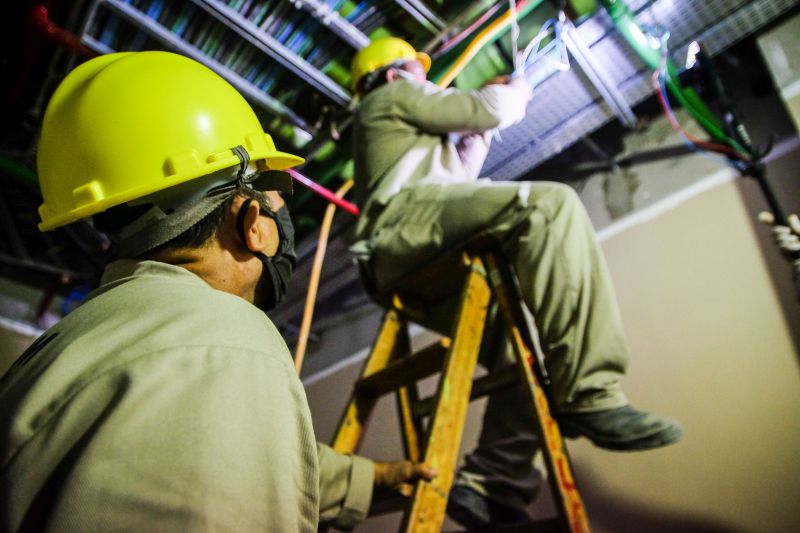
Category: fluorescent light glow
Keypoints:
(691, 54)
(637, 33)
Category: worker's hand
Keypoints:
(394, 474)
(503, 79)
(523, 86)
(517, 82)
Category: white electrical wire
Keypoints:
(531, 54)
(512, 6)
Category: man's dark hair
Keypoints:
(372, 80)
(113, 220)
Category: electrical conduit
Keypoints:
(627, 26)
(313, 282)
(488, 35)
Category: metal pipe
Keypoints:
(424, 16)
(626, 24)
(328, 16)
(598, 76)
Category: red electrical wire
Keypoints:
(39, 18)
(705, 145)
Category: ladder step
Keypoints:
(404, 371)
(498, 379)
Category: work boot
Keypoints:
(622, 429)
(475, 511)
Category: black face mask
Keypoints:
(279, 267)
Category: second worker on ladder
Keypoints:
(418, 152)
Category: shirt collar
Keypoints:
(124, 270)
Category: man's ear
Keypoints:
(392, 74)
(255, 236)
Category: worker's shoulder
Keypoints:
(394, 93)
(181, 310)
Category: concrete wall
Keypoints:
(709, 310)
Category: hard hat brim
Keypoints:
(275, 160)
(425, 59)
(273, 180)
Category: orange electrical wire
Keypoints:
(479, 42)
(700, 143)
(313, 282)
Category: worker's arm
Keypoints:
(346, 483)
(437, 110)
(345, 487)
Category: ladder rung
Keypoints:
(404, 371)
(497, 380)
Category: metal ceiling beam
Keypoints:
(598, 75)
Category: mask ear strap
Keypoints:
(240, 220)
(244, 160)
(241, 231)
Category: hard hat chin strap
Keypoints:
(278, 267)
(193, 202)
(244, 161)
(376, 78)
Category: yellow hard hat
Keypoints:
(124, 126)
(382, 52)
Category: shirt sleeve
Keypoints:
(345, 487)
(437, 110)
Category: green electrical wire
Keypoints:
(19, 171)
(626, 24)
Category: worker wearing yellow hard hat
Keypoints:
(419, 150)
(378, 55)
(108, 140)
(168, 398)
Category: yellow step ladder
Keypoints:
(477, 275)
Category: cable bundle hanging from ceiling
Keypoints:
(660, 77)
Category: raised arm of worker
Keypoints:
(432, 109)
(403, 131)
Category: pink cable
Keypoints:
(322, 191)
(39, 17)
(452, 41)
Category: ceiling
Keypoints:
(309, 118)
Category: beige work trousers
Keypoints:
(547, 234)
